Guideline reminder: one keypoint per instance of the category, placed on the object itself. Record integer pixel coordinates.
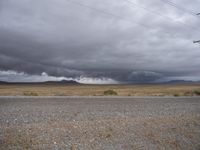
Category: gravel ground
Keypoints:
(99, 123)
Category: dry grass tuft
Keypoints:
(110, 92)
(27, 93)
(176, 95)
(197, 92)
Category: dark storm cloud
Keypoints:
(65, 39)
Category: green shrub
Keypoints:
(176, 95)
(197, 92)
(27, 93)
(110, 92)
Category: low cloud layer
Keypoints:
(111, 40)
(13, 76)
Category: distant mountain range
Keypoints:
(72, 82)
(63, 82)
(180, 81)
(69, 82)
(2, 82)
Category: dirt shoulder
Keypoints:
(94, 124)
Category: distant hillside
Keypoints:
(180, 81)
(62, 82)
(67, 82)
(2, 82)
(72, 82)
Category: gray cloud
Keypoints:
(13, 76)
(68, 40)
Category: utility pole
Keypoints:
(198, 41)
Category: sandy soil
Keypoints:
(98, 90)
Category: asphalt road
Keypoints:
(100, 123)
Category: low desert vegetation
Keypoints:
(110, 92)
(188, 93)
(176, 95)
(197, 92)
(100, 90)
(27, 93)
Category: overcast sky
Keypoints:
(95, 41)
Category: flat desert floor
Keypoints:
(94, 123)
(99, 90)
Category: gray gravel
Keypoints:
(99, 123)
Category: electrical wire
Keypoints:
(157, 13)
(107, 13)
(125, 19)
(179, 7)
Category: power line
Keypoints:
(183, 9)
(156, 13)
(107, 13)
(113, 15)
(145, 8)
(120, 17)
(179, 7)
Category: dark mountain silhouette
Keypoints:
(62, 82)
(179, 81)
(2, 82)
(72, 82)
(67, 82)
